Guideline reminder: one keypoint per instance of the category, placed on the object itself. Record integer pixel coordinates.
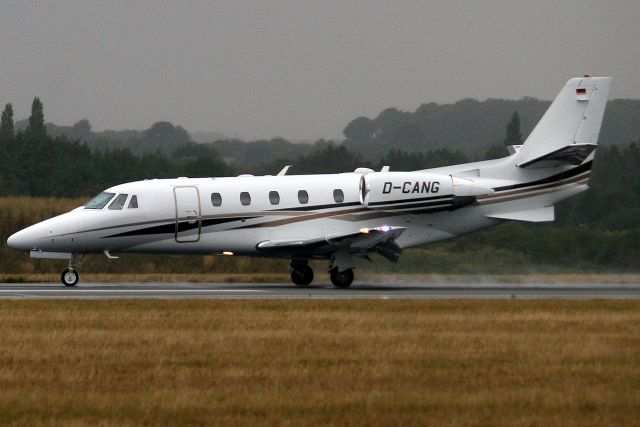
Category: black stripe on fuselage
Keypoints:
(314, 207)
(349, 204)
(170, 228)
(405, 206)
(422, 199)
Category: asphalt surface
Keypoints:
(317, 291)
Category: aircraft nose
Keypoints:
(19, 241)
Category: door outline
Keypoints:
(198, 217)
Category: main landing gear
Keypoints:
(70, 276)
(302, 274)
(342, 279)
(341, 269)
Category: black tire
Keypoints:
(302, 276)
(342, 279)
(69, 278)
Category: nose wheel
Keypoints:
(69, 277)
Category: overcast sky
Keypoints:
(300, 69)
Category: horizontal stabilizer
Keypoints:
(573, 154)
(545, 214)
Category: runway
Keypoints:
(96, 291)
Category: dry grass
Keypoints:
(19, 212)
(320, 362)
(574, 278)
(151, 278)
(362, 277)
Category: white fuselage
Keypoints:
(178, 215)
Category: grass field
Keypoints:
(218, 362)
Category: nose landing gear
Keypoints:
(70, 276)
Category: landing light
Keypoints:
(364, 230)
(228, 253)
(385, 228)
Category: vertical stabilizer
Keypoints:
(570, 125)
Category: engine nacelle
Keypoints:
(416, 191)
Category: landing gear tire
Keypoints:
(302, 276)
(342, 279)
(69, 277)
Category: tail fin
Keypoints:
(568, 131)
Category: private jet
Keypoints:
(335, 217)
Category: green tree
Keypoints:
(82, 128)
(513, 136)
(359, 130)
(328, 158)
(496, 152)
(6, 125)
(165, 131)
(399, 160)
(36, 120)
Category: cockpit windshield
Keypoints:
(100, 201)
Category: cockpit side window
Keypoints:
(118, 202)
(133, 203)
(100, 201)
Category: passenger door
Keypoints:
(188, 218)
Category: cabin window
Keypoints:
(133, 203)
(100, 201)
(245, 198)
(118, 202)
(216, 199)
(274, 197)
(338, 195)
(303, 197)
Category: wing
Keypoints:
(380, 239)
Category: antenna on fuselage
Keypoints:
(284, 170)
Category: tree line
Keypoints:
(471, 125)
(34, 163)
